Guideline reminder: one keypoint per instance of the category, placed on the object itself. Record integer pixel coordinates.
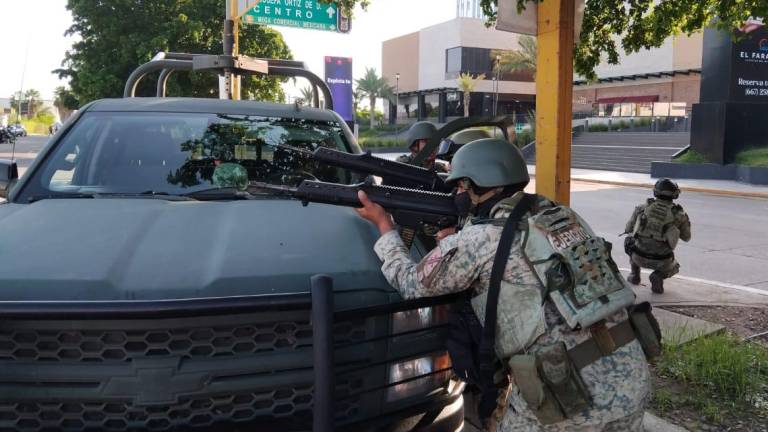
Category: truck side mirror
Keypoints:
(9, 173)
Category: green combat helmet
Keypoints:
(666, 189)
(418, 131)
(230, 175)
(489, 162)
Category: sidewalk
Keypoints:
(721, 187)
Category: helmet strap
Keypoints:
(479, 199)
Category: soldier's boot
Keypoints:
(657, 283)
(634, 275)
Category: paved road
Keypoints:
(730, 234)
(26, 149)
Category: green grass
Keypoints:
(374, 142)
(692, 157)
(719, 365)
(753, 157)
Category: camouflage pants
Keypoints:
(666, 267)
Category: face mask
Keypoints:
(463, 204)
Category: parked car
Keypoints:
(17, 130)
(152, 294)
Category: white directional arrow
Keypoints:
(331, 12)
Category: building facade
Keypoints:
(424, 66)
(663, 81)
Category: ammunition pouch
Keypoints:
(646, 328)
(550, 384)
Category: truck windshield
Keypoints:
(141, 152)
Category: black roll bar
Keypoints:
(321, 287)
(170, 62)
(162, 81)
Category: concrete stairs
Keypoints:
(622, 151)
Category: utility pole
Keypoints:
(554, 92)
(231, 29)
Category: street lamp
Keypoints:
(397, 102)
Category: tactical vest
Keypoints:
(575, 267)
(657, 222)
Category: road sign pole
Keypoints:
(231, 88)
(554, 90)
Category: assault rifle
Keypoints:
(392, 172)
(411, 208)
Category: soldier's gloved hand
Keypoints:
(374, 213)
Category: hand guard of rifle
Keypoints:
(412, 208)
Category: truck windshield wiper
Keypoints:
(35, 198)
(213, 194)
(150, 194)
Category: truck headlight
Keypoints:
(418, 376)
(417, 319)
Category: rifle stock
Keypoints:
(409, 207)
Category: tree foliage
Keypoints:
(30, 99)
(522, 60)
(374, 87)
(119, 35)
(632, 25)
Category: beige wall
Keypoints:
(401, 55)
(687, 51)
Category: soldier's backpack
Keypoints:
(575, 268)
(657, 222)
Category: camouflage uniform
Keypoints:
(230, 174)
(619, 384)
(668, 267)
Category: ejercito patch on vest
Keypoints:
(568, 236)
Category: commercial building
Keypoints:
(423, 67)
(663, 81)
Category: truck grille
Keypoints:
(294, 403)
(251, 367)
(187, 343)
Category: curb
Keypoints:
(724, 192)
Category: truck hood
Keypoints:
(145, 249)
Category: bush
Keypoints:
(598, 128)
(374, 142)
(524, 138)
(753, 157)
(691, 156)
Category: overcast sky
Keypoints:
(38, 28)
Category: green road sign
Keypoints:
(306, 14)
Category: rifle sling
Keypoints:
(487, 355)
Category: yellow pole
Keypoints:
(554, 91)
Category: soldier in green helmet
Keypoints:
(449, 146)
(417, 137)
(553, 252)
(654, 230)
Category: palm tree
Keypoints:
(307, 95)
(467, 83)
(35, 101)
(374, 87)
(522, 60)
